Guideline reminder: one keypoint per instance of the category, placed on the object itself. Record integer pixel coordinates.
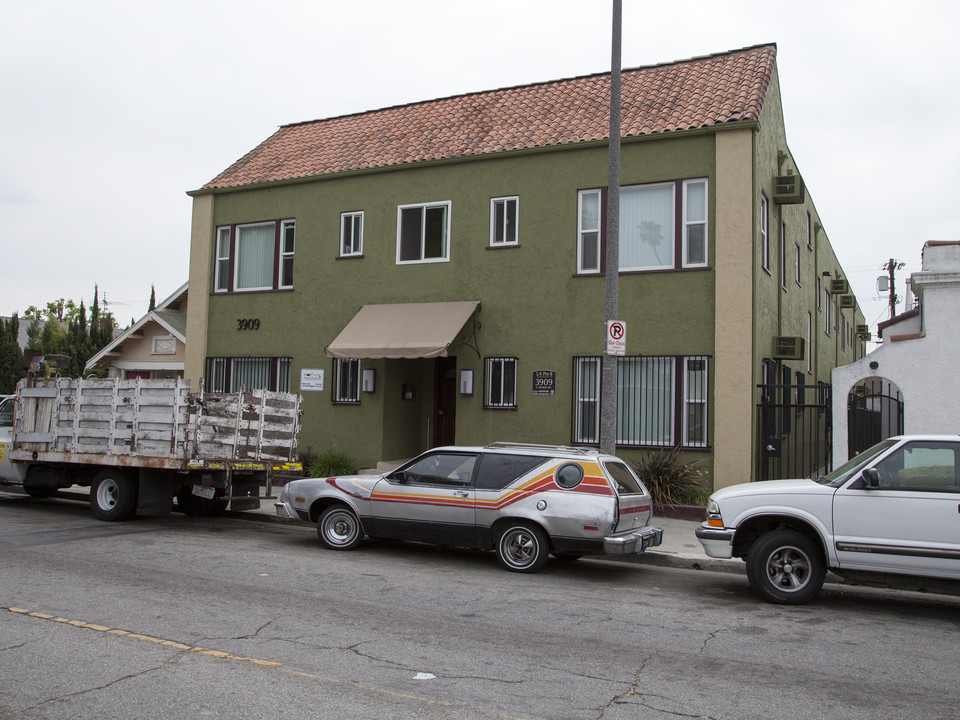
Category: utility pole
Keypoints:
(891, 267)
(608, 370)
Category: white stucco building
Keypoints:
(918, 355)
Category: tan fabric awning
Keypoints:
(406, 330)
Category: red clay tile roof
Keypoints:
(684, 95)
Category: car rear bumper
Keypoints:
(633, 542)
(716, 543)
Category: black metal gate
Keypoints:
(874, 413)
(794, 426)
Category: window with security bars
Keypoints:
(661, 401)
(346, 380)
(226, 374)
(501, 382)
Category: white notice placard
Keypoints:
(616, 337)
(311, 380)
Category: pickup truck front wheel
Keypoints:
(786, 567)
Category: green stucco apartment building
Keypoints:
(434, 273)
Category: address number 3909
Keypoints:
(248, 324)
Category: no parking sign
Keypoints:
(616, 337)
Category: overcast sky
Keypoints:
(112, 111)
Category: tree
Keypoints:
(153, 299)
(11, 357)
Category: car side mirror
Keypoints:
(871, 478)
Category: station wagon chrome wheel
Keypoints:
(339, 528)
(786, 567)
(522, 547)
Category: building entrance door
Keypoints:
(445, 401)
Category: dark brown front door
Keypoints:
(445, 401)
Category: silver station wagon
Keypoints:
(523, 501)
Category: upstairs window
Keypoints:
(503, 221)
(256, 256)
(423, 233)
(655, 234)
(351, 234)
(765, 232)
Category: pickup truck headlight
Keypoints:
(714, 518)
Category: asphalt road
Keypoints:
(223, 618)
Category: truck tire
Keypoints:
(786, 567)
(113, 496)
(190, 504)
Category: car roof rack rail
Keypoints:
(534, 446)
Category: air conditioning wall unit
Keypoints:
(848, 301)
(788, 348)
(839, 287)
(863, 329)
(788, 190)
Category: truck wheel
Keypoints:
(113, 496)
(522, 547)
(190, 504)
(786, 567)
(339, 528)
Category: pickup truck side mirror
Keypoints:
(871, 478)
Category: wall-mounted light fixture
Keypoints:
(369, 383)
(466, 382)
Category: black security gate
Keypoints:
(794, 426)
(874, 413)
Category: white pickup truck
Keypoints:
(138, 444)
(889, 517)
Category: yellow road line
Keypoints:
(143, 638)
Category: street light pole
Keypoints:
(608, 370)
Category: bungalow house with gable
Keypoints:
(153, 347)
(433, 273)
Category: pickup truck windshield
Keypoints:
(855, 464)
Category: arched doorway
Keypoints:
(874, 413)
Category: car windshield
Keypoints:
(855, 464)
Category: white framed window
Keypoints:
(351, 234)
(501, 382)
(504, 218)
(809, 342)
(783, 255)
(346, 380)
(423, 233)
(809, 232)
(796, 264)
(254, 256)
(222, 264)
(164, 345)
(694, 223)
(695, 401)
(588, 233)
(647, 222)
(827, 311)
(765, 231)
(287, 232)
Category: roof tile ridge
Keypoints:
(528, 86)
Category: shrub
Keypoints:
(333, 462)
(669, 480)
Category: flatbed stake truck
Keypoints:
(138, 444)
